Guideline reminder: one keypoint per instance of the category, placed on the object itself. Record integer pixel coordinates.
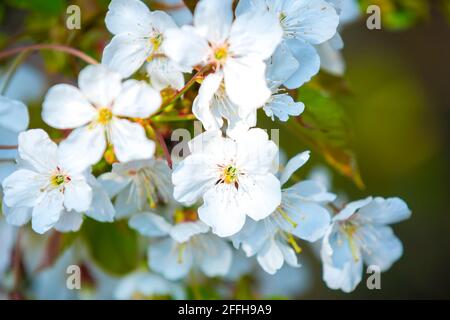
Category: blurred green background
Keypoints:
(390, 113)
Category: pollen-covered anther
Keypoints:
(104, 115)
(230, 174)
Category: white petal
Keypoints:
(131, 16)
(222, 210)
(281, 66)
(308, 60)
(191, 178)
(244, 75)
(256, 34)
(385, 211)
(127, 203)
(126, 53)
(130, 141)
(37, 150)
(331, 60)
(202, 106)
(282, 106)
(256, 153)
(99, 84)
(165, 257)
(23, 188)
(113, 182)
(182, 232)
(260, 195)
(101, 208)
(314, 21)
(6, 168)
(341, 269)
(164, 73)
(84, 146)
(161, 21)
(216, 256)
(312, 220)
(380, 246)
(213, 18)
(149, 224)
(17, 216)
(77, 195)
(293, 165)
(137, 100)
(270, 258)
(351, 208)
(185, 47)
(65, 107)
(69, 222)
(13, 115)
(310, 190)
(48, 211)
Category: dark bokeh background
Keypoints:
(401, 129)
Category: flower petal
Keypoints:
(270, 258)
(16, 216)
(69, 221)
(166, 258)
(128, 16)
(385, 211)
(213, 18)
(126, 53)
(222, 210)
(84, 146)
(48, 211)
(164, 73)
(308, 61)
(23, 188)
(186, 47)
(37, 150)
(182, 232)
(136, 100)
(150, 224)
(216, 256)
(130, 141)
(77, 195)
(65, 107)
(293, 165)
(13, 115)
(99, 84)
(101, 208)
(380, 246)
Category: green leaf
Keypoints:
(324, 128)
(47, 7)
(113, 246)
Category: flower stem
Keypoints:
(163, 145)
(183, 90)
(56, 47)
(12, 70)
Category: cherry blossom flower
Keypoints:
(98, 112)
(234, 178)
(360, 234)
(300, 214)
(138, 185)
(138, 38)
(182, 245)
(235, 50)
(305, 23)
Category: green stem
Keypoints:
(12, 70)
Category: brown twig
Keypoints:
(56, 47)
(163, 145)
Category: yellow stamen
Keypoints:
(294, 244)
(185, 215)
(57, 180)
(350, 229)
(286, 217)
(104, 116)
(230, 174)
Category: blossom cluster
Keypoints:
(232, 195)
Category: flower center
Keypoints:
(58, 178)
(230, 174)
(220, 55)
(104, 116)
(186, 215)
